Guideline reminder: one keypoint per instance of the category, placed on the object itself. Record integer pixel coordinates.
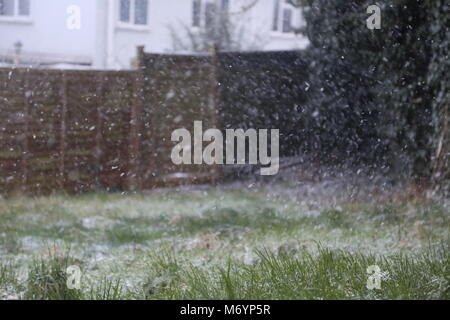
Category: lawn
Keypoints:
(246, 242)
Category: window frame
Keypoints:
(17, 17)
(278, 19)
(131, 24)
(196, 9)
(224, 5)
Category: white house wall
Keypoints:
(104, 42)
(46, 36)
(156, 36)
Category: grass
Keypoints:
(7, 274)
(47, 279)
(329, 274)
(221, 244)
(106, 289)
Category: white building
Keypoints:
(105, 33)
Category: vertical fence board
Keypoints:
(26, 134)
(63, 132)
(214, 102)
(43, 130)
(116, 130)
(81, 122)
(136, 124)
(11, 130)
(99, 128)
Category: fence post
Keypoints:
(440, 167)
(99, 128)
(63, 130)
(214, 100)
(26, 134)
(134, 179)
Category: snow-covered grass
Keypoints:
(243, 242)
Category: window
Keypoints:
(210, 15)
(14, 8)
(140, 11)
(133, 12)
(287, 20)
(225, 5)
(276, 10)
(204, 12)
(283, 17)
(196, 13)
(125, 10)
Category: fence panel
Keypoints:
(264, 90)
(177, 92)
(12, 139)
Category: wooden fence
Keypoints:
(80, 130)
(65, 130)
